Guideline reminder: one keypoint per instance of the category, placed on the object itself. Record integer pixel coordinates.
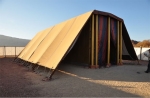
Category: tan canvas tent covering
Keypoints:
(29, 45)
(94, 37)
(47, 45)
(36, 44)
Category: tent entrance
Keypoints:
(113, 54)
(113, 41)
(79, 51)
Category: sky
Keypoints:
(25, 18)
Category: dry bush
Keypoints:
(144, 43)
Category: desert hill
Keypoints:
(144, 43)
(12, 41)
(134, 42)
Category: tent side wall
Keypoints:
(81, 50)
(113, 41)
(51, 61)
(127, 41)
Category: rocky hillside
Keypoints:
(134, 42)
(144, 43)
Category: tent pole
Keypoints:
(50, 77)
(140, 55)
(140, 52)
(108, 50)
(92, 46)
(90, 24)
(118, 43)
(96, 55)
(4, 51)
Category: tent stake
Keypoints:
(21, 61)
(50, 77)
(33, 67)
(25, 63)
(15, 59)
(30, 66)
(36, 68)
(44, 69)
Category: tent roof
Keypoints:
(51, 44)
(25, 50)
(107, 14)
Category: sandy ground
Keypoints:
(72, 80)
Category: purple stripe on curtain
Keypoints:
(102, 40)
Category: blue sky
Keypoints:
(24, 18)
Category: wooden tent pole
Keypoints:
(118, 43)
(108, 50)
(140, 52)
(92, 44)
(96, 46)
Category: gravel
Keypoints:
(73, 80)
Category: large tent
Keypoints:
(96, 38)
